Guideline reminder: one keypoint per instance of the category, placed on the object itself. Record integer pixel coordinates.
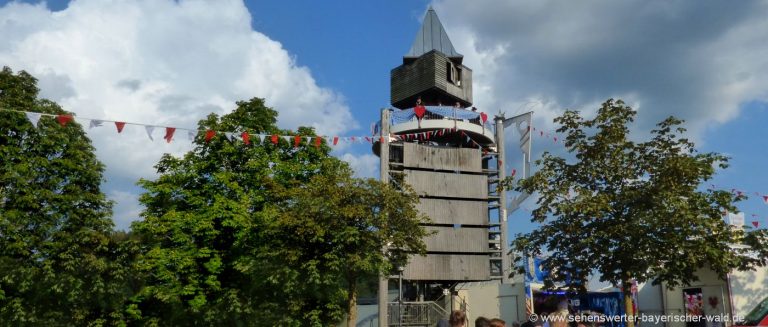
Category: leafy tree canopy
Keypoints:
(340, 224)
(629, 210)
(59, 264)
(261, 234)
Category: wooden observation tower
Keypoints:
(449, 153)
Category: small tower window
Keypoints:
(453, 73)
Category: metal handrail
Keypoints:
(415, 313)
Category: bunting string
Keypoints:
(296, 140)
(208, 135)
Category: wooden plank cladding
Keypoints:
(441, 158)
(462, 239)
(466, 212)
(428, 183)
(448, 267)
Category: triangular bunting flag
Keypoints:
(230, 136)
(309, 139)
(274, 138)
(246, 138)
(296, 141)
(33, 117)
(287, 138)
(149, 130)
(169, 134)
(64, 119)
(318, 141)
(260, 138)
(119, 126)
(191, 135)
(765, 199)
(483, 117)
(756, 224)
(209, 135)
(335, 140)
(95, 123)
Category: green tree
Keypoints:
(631, 210)
(211, 231)
(59, 264)
(340, 224)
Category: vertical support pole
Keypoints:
(384, 170)
(400, 297)
(501, 160)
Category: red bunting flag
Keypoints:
(246, 138)
(318, 141)
(169, 134)
(119, 126)
(513, 172)
(64, 119)
(296, 141)
(274, 139)
(483, 117)
(335, 140)
(756, 224)
(542, 133)
(368, 139)
(765, 199)
(381, 139)
(420, 111)
(209, 135)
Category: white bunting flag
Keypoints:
(260, 137)
(33, 117)
(149, 130)
(95, 123)
(309, 139)
(191, 135)
(736, 220)
(287, 138)
(230, 136)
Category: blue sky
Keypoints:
(704, 62)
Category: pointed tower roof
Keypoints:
(432, 36)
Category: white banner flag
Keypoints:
(95, 123)
(149, 130)
(33, 117)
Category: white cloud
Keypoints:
(160, 62)
(365, 165)
(126, 209)
(698, 61)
